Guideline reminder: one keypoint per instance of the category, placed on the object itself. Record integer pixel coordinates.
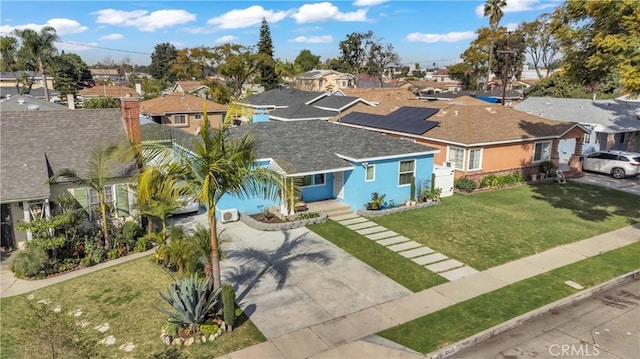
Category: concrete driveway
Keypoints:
(289, 280)
(629, 184)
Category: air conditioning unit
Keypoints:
(450, 164)
(229, 215)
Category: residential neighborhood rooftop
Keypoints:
(28, 103)
(179, 103)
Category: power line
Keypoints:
(94, 46)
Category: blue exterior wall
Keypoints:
(250, 205)
(357, 192)
(319, 193)
(260, 115)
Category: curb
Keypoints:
(527, 317)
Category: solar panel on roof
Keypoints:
(406, 119)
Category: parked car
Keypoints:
(188, 204)
(619, 164)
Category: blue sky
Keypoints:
(421, 31)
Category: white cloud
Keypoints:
(448, 37)
(368, 2)
(76, 46)
(143, 20)
(236, 19)
(112, 37)
(225, 39)
(326, 11)
(62, 26)
(512, 26)
(324, 39)
(518, 6)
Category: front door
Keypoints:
(338, 185)
(7, 239)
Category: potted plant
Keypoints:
(377, 201)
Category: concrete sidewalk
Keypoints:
(345, 336)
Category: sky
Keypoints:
(424, 32)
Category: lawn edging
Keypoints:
(527, 317)
(384, 212)
(261, 226)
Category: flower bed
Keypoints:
(383, 212)
(262, 226)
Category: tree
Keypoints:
(464, 73)
(493, 10)
(475, 58)
(221, 164)
(194, 63)
(8, 53)
(101, 102)
(354, 52)
(37, 51)
(600, 40)
(380, 56)
(99, 167)
(161, 58)
(540, 43)
(268, 76)
(238, 63)
(509, 55)
(306, 61)
(68, 70)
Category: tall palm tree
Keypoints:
(99, 170)
(38, 50)
(493, 10)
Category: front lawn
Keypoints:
(122, 296)
(487, 229)
(396, 267)
(447, 326)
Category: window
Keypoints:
(370, 173)
(598, 134)
(197, 116)
(407, 169)
(313, 180)
(456, 155)
(586, 138)
(179, 120)
(94, 198)
(475, 159)
(542, 151)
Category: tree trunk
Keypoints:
(44, 82)
(486, 83)
(215, 258)
(105, 229)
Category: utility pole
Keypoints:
(507, 54)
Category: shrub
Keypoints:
(229, 305)
(171, 329)
(131, 230)
(466, 184)
(191, 301)
(490, 181)
(512, 178)
(209, 329)
(548, 168)
(307, 215)
(29, 262)
(377, 201)
(98, 255)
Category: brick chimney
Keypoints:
(131, 116)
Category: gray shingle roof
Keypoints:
(314, 146)
(37, 93)
(301, 111)
(25, 103)
(335, 102)
(613, 115)
(282, 97)
(34, 144)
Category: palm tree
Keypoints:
(38, 50)
(99, 170)
(493, 9)
(181, 250)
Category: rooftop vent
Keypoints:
(33, 107)
(21, 101)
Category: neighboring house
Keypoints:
(420, 87)
(441, 75)
(12, 79)
(493, 96)
(36, 144)
(291, 104)
(28, 103)
(474, 137)
(105, 74)
(195, 88)
(324, 80)
(106, 90)
(183, 111)
(373, 82)
(252, 89)
(612, 124)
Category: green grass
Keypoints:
(462, 320)
(122, 296)
(405, 272)
(487, 229)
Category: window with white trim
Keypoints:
(179, 119)
(313, 180)
(94, 198)
(586, 138)
(370, 173)
(197, 116)
(475, 159)
(407, 170)
(456, 155)
(542, 151)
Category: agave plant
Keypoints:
(192, 301)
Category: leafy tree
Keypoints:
(493, 10)
(380, 56)
(509, 55)
(541, 44)
(268, 76)
(101, 102)
(47, 232)
(193, 63)
(600, 39)
(37, 51)
(8, 53)
(238, 63)
(464, 73)
(68, 70)
(219, 92)
(152, 88)
(181, 250)
(161, 58)
(354, 54)
(306, 61)
(475, 58)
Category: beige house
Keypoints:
(324, 80)
(183, 111)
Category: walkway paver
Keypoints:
(444, 265)
(370, 230)
(301, 344)
(353, 221)
(381, 235)
(431, 258)
(345, 217)
(458, 273)
(393, 240)
(412, 253)
(404, 246)
(362, 225)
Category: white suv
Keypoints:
(619, 164)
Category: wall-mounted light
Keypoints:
(365, 164)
